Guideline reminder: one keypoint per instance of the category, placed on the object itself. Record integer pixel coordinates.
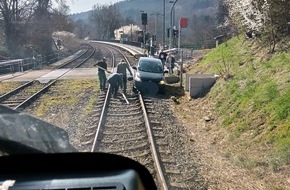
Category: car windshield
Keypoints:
(202, 92)
(151, 66)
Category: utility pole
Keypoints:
(172, 1)
(144, 35)
(131, 32)
(131, 25)
(144, 23)
(156, 22)
(171, 23)
(179, 34)
(163, 35)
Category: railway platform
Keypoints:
(48, 74)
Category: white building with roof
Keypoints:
(127, 32)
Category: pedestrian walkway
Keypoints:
(44, 75)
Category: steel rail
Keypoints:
(70, 61)
(125, 57)
(31, 98)
(79, 56)
(82, 62)
(150, 136)
(91, 54)
(14, 91)
(132, 51)
(152, 146)
(160, 175)
(122, 53)
(104, 109)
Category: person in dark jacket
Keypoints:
(102, 65)
(163, 57)
(172, 64)
(122, 69)
(115, 80)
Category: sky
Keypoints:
(77, 6)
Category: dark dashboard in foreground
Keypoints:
(73, 171)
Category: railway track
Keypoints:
(135, 130)
(176, 175)
(125, 129)
(88, 52)
(20, 97)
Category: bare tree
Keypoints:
(276, 14)
(40, 31)
(267, 18)
(28, 24)
(82, 29)
(203, 30)
(60, 20)
(14, 14)
(106, 19)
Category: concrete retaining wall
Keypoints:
(198, 84)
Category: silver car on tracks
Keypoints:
(148, 74)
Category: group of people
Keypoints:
(116, 80)
(168, 60)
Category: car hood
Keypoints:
(148, 76)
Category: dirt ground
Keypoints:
(213, 147)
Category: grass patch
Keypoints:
(275, 188)
(8, 86)
(256, 100)
(282, 107)
(92, 102)
(245, 162)
(68, 93)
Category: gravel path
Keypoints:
(180, 146)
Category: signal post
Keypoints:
(144, 23)
(183, 22)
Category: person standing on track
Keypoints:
(102, 65)
(122, 68)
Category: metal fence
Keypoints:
(34, 63)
